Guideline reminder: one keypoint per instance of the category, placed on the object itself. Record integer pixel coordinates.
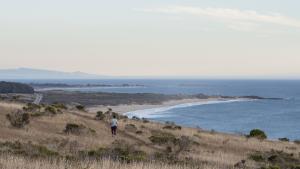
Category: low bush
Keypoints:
(27, 149)
(50, 109)
(31, 107)
(126, 152)
(37, 114)
(145, 120)
(100, 115)
(119, 150)
(18, 118)
(60, 106)
(183, 143)
(257, 157)
(136, 118)
(80, 107)
(284, 139)
(160, 138)
(297, 141)
(172, 127)
(78, 129)
(274, 158)
(139, 132)
(257, 133)
(271, 167)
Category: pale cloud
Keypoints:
(237, 19)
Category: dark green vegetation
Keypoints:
(100, 115)
(276, 160)
(78, 129)
(18, 118)
(35, 110)
(27, 149)
(120, 150)
(257, 133)
(284, 139)
(80, 107)
(10, 87)
(160, 138)
(297, 141)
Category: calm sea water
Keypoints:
(278, 118)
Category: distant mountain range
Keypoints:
(28, 73)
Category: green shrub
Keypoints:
(145, 120)
(60, 106)
(284, 139)
(78, 129)
(257, 133)
(297, 141)
(168, 127)
(172, 127)
(183, 143)
(257, 157)
(18, 118)
(80, 107)
(126, 152)
(31, 107)
(139, 132)
(100, 115)
(44, 151)
(27, 149)
(136, 118)
(51, 110)
(99, 153)
(37, 114)
(162, 138)
(271, 167)
(296, 167)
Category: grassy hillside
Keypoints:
(45, 142)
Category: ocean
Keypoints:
(278, 118)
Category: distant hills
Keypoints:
(10, 87)
(28, 73)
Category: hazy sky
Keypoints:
(157, 37)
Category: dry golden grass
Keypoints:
(213, 150)
(16, 162)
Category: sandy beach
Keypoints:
(134, 107)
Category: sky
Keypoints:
(153, 38)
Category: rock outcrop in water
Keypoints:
(10, 87)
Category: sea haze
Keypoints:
(278, 118)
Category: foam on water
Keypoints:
(165, 111)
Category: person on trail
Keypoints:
(114, 125)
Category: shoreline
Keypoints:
(134, 108)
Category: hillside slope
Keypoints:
(155, 145)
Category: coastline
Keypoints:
(127, 109)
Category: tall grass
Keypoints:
(17, 162)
